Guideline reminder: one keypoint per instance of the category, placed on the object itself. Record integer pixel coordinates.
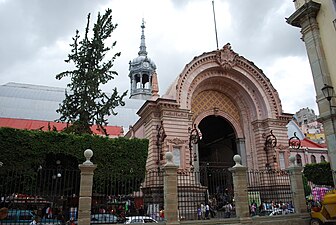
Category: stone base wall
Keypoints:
(295, 219)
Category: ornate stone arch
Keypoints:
(235, 124)
(235, 68)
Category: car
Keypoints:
(106, 218)
(140, 219)
(19, 216)
(275, 212)
(265, 213)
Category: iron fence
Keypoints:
(269, 190)
(48, 195)
(205, 194)
(128, 196)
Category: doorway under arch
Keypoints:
(218, 144)
(215, 153)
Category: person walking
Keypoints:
(199, 213)
(203, 211)
(207, 211)
(227, 210)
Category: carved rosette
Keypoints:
(226, 57)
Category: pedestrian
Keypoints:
(49, 212)
(227, 210)
(203, 211)
(207, 211)
(199, 213)
(253, 209)
(162, 214)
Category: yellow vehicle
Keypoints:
(327, 212)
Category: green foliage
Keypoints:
(26, 150)
(306, 187)
(86, 104)
(319, 173)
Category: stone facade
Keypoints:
(317, 21)
(225, 85)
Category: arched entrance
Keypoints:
(218, 144)
(215, 152)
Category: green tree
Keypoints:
(306, 187)
(85, 103)
(319, 173)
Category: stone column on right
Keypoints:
(239, 176)
(297, 188)
(170, 191)
(306, 18)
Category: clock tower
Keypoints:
(141, 72)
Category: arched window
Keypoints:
(313, 159)
(322, 158)
(298, 160)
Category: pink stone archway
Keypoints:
(241, 94)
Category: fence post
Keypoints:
(297, 188)
(170, 191)
(239, 177)
(85, 192)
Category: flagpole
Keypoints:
(213, 9)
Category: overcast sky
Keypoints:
(35, 38)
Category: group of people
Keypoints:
(205, 211)
(271, 205)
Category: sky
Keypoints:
(35, 38)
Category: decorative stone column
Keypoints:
(85, 192)
(239, 175)
(295, 175)
(305, 17)
(170, 191)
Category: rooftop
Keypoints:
(36, 102)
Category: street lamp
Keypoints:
(270, 144)
(58, 163)
(328, 93)
(160, 137)
(194, 138)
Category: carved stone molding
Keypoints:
(177, 141)
(176, 114)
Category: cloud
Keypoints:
(36, 36)
(293, 77)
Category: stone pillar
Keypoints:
(295, 175)
(239, 175)
(305, 17)
(170, 191)
(85, 192)
(240, 142)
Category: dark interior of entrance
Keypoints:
(216, 151)
(218, 144)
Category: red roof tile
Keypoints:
(24, 124)
(310, 144)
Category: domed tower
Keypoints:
(141, 72)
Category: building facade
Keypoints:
(310, 126)
(220, 105)
(317, 20)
